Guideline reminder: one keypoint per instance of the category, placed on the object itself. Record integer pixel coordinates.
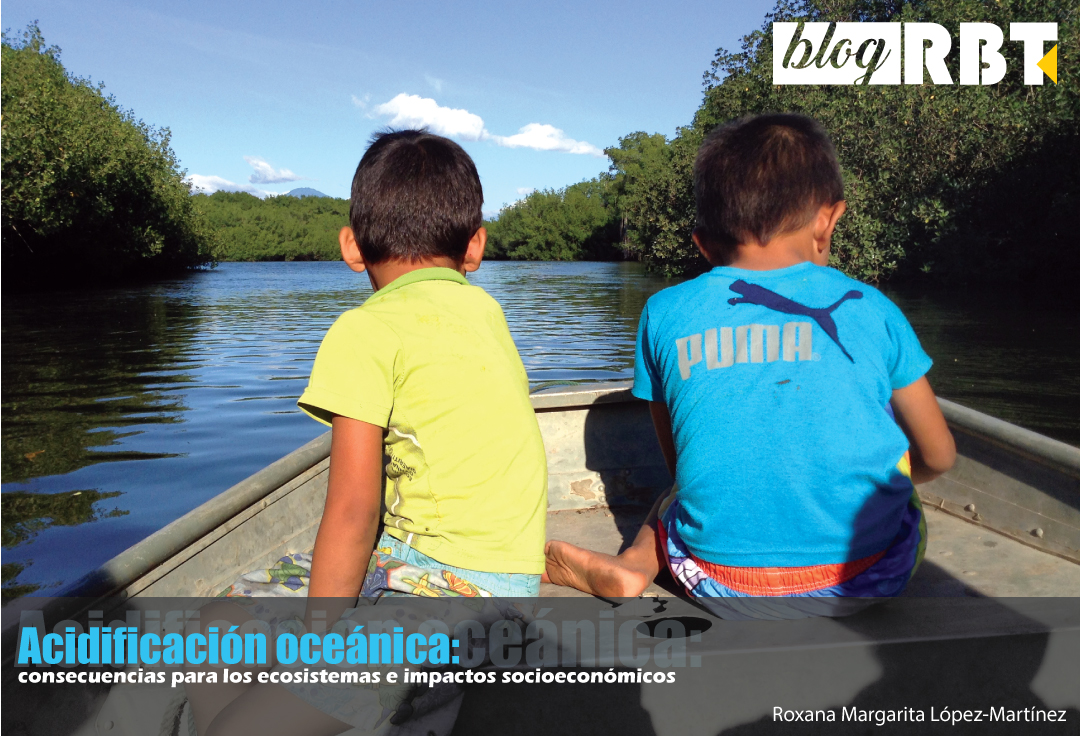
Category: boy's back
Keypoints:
(776, 383)
(431, 358)
(425, 372)
(772, 383)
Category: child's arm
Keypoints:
(662, 424)
(351, 515)
(933, 450)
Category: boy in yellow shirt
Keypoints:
(426, 373)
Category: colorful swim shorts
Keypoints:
(398, 569)
(796, 592)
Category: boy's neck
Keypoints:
(386, 272)
(787, 249)
(810, 243)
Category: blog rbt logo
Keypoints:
(870, 53)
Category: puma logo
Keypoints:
(762, 297)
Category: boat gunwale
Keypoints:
(1032, 445)
(142, 558)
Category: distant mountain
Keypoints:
(305, 192)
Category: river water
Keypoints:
(125, 408)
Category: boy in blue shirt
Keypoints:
(789, 400)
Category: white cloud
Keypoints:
(414, 111)
(434, 82)
(361, 102)
(542, 137)
(211, 184)
(525, 191)
(267, 174)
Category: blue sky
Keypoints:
(271, 96)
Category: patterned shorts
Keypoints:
(394, 569)
(398, 569)
(786, 593)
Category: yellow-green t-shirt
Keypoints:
(430, 358)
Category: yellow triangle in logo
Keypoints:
(1049, 63)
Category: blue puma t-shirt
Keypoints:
(778, 384)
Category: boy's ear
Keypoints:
(475, 252)
(699, 237)
(823, 226)
(827, 218)
(350, 250)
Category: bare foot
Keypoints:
(592, 572)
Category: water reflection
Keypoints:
(78, 370)
(24, 515)
(170, 393)
(572, 321)
(1013, 357)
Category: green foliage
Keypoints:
(90, 193)
(655, 198)
(276, 228)
(967, 183)
(571, 224)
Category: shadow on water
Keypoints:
(172, 392)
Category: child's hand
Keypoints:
(933, 450)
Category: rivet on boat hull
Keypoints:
(969, 507)
(1038, 532)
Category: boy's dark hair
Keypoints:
(414, 195)
(758, 177)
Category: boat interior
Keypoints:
(962, 558)
(1004, 522)
(992, 608)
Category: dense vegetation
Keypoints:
(90, 193)
(579, 222)
(575, 223)
(965, 183)
(275, 228)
